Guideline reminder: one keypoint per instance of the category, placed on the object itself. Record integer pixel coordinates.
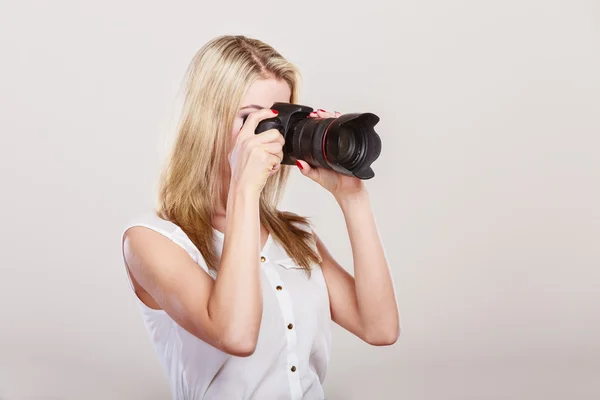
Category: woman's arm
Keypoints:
(226, 312)
(365, 304)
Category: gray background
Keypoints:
(486, 193)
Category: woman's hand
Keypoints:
(256, 157)
(341, 186)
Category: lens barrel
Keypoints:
(347, 144)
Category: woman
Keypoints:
(238, 296)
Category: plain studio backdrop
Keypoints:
(486, 192)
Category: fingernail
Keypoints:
(320, 109)
(313, 114)
(274, 111)
(299, 165)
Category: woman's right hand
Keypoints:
(256, 157)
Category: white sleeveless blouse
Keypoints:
(294, 341)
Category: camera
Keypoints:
(347, 144)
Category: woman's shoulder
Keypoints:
(158, 223)
(154, 221)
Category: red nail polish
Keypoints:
(274, 111)
(320, 109)
(299, 165)
(313, 114)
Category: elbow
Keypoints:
(228, 340)
(383, 337)
(240, 350)
(239, 346)
(234, 336)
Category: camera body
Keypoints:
(347, 144)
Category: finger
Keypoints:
(324, 114)
(275, 169)
(273, 161)
(313, 115)
(273, 148)
(307, 170)
(253, 120)
(337, 114)
(272, 135)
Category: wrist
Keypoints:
(243, 213)
(246, 192)
(240, 190)
(349, 200)
(242, 198)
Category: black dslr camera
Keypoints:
(347, 144)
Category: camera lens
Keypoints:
(347, 144)
(347, 147)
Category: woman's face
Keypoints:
(261, 94)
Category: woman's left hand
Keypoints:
(341, 186)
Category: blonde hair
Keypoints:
(190, 187)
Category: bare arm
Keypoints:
(226, 312)
(365, 304)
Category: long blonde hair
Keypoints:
(190, 187)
